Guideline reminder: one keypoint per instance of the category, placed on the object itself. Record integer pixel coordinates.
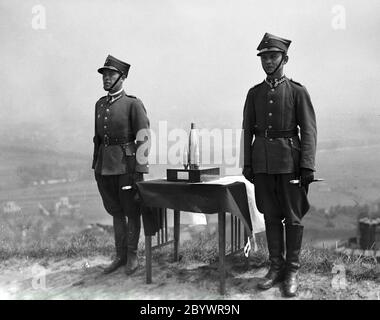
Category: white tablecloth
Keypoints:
(257, 218)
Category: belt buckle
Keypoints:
(106, 141)
(266, 133)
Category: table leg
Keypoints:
(148, 258)
(222, 250)
(177, 221)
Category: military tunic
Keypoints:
(125, 118)
(121, 148)
(275, 161)
(285, 107)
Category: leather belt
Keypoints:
(276, 133)
(111, 141)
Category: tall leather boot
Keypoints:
(134, 227)
(120, 231)
(275, 240)
(293, 248)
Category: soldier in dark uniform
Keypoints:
(120, 159)
(279, 114)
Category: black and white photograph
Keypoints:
(211, 153)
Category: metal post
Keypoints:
(166, 224)
(163, 227)
(232, 233)
(222, 250)
(148, 258)
(235, 228)
(177, 222)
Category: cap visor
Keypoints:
(272, 49)
(101, 70)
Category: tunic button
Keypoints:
(270, 114)
(105, 127)
(108, 110)
(269, 127)
(105, 118)
(270, 101)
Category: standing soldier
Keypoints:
(276, 111)
(120, 159)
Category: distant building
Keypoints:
(369, 233)
(11, 207)
(367, 241)
(64, 208)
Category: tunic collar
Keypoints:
(273, 83)
(112, 97)
(116, 93)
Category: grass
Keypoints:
(80, 245)
(313, 260)
(37, 236)
(202, 248)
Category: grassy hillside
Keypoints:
(352, 179)
(16, 156)
(352, 176)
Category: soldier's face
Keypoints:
(109, 78)
(270, 61)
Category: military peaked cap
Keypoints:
(114, 64)
(271, 43)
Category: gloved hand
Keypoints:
(248, 173)
(307, 177)
(137, 176)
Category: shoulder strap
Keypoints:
(259, 84)
(295, 82)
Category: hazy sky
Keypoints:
(191, 60)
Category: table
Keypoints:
(201, 198)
